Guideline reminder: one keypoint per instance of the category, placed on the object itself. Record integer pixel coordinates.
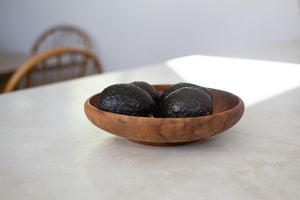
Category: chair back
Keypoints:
(61, 36)
(53, 66)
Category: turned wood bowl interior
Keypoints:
(227, 111)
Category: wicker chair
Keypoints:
(53, 66)
(61, 36)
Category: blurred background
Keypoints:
(132, 33)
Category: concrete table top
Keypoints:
(49, 149)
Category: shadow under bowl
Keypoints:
(227, 111)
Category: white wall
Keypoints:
(129, 33)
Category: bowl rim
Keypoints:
(240, 103)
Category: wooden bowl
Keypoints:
(227, 111)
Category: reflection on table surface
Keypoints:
(253, 80)
(49, 149)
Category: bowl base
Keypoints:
(161, 143)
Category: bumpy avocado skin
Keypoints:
(177, 86)
(185, 102)
(126, 99)
(148, 88)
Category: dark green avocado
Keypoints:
(148, 88)
(185, 102)
(127, 99)
(177, 86)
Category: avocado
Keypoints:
(177, 86)
(126, 99)
(185, 102)
(148, 88)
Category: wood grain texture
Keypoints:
(228, 109)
